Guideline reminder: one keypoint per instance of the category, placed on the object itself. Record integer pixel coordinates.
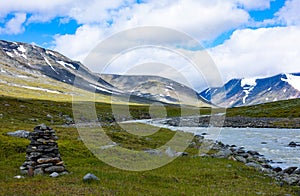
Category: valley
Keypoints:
(40, 86)
(196, 174)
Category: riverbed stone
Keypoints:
(254, 165)
(223, 153)
(297, 171)
(241, 159)
(292, 179)
(289, 170)
(292, 144)
(277, 169)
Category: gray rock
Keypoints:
(49, 116)
(252, 164)
(289, 170)
(38, 171)
(19, 133)
(292, 144)
(54, 175)
(48, 160)
(55, 169)
(297, 171)
(24, 171)
(277, 169)
(90, 177)
(223, 153)
(241, 159)
(43, 127)
(252, 152)
(292, 179)
(1, 115)
(44, 165)
(19, 177)
(172, 153)
(64, 173)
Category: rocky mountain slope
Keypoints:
(155, 88)
(250, 91)
(30, 71)
(22, 60)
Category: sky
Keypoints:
(244, 38)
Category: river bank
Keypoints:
(236, 121)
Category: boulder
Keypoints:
(241, 159)
(254, 165)
(90, 177)
(277, 169)
(225, 153)
(292, 179)
(54, 175)
(19, 133)
(289, 170)
(292, 144)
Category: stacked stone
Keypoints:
(42, 155)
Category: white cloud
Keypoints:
(14, 25)
(78, 45)
(204, 20)
(289, 14)
(260, 52)
(88, 11)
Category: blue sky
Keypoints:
(226, 28)
(43, 33)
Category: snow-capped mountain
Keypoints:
(250, 91)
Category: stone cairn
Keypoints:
(42, 155)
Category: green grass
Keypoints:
(279, 109)
(185, 176)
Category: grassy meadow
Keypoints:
(189, 175)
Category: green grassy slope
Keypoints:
(185, 176)
(279, 109)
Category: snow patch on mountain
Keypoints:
(22, 49)
(66, 64)
(248, 82)
(293, 80)
(49, 52)
(18, 54)
(248, 85)
(99, 88)
(47, 61)
(31, 87)
(10, 54)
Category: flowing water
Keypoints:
(270, 142)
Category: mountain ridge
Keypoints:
(251, 91)
(29, 67)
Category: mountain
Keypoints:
(30, 71)
(155, 88)
(250, 91)
(21, 60)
